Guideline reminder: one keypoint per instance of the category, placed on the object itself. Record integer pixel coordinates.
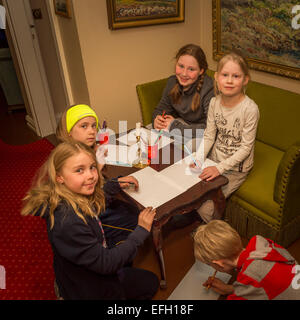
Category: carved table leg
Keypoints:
(219, 204)
(157, 240)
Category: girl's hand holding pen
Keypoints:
(126, 182)
(196, 167)
(160, 123)
(168, 120)
(146, 218)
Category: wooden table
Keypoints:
(184, 203)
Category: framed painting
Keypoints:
(266, 32)
(137, 13)
(62, 8)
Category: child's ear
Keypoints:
(246, 80)
(220, 263)
(59, 179)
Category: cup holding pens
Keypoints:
(152, 152)
(103, 137)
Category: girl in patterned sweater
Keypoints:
(231, 128)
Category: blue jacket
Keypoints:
(84, 268)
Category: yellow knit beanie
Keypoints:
(78, 112)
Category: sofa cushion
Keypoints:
(279, 115)
(259, 186)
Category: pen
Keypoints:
(123, 182)
(189, 152)
(160, 131)
(212, 279)
(126, 182)
(118, 163)
(158, 137)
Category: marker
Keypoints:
(189, 152)
(104, 125)
(163, 115)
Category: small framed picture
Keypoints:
(62, 8)
(138, 13)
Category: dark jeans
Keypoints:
(138, 284)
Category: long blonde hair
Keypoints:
(234, 56)
(215, 241)
(47, 192)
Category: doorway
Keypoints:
(30, 67)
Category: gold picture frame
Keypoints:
(62, 8)
(240, 26)
(127, 13)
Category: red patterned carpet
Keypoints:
(25, 252)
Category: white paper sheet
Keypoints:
(181, 174)
(191, 288)
(156, 188)
(117, 155)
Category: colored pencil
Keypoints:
(190, 153)
(213, 278)
(122, 181)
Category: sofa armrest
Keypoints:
(287, 186)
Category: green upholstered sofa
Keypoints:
(268, 202)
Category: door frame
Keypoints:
(25, 41)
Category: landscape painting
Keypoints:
(135, 13)
(266, 32)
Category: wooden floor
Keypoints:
(178, 245)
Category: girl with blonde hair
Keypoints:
(80, 123)
(67, 194)
(230, 133)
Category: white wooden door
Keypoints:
(25, 40)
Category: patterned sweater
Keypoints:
(266, 272)
(230, 134)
